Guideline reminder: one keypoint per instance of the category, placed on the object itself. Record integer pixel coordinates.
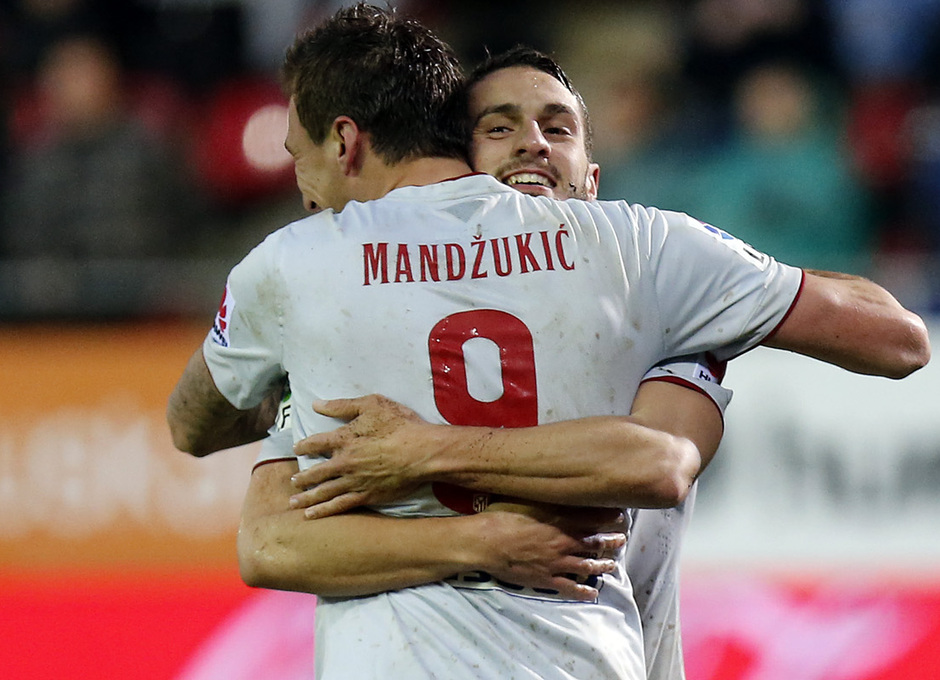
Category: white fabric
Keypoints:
(555, 310)
(653, 552)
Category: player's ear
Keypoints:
(350, 144)
(592, 181)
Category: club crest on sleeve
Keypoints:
(221, 324)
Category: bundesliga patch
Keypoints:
(222, 317)
(739, 246)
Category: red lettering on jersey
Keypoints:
(429, 262)
(560, 250)
(375, 262)
(480, 247)
(505, 255)
(518, 405)
(403, 265)
(456, 261)
(547, 248)
(497, 260)
(526, 256)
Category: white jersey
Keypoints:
(652, 554)
(475, 304)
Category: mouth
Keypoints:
(528, 179)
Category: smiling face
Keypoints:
(529, 132)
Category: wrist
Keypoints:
(471, 538)
(454, 454)
(437, 461)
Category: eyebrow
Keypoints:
(516, 110)
(504, 109)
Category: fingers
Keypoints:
(320, 493)
(317, 474)
(336, 506)
(332, 497)
(603, 546)
(569, 585)
(321, 445)
(344, 409)
(572, 590)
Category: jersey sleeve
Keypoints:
(277, 446)
(715, 292)
(243, 348)
(702, 373)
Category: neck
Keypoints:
(417, 172)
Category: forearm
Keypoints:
(358, 553)
(201, 420)
(856, 324)
(353, 554)
(361, 553)
(601, 461)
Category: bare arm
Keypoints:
(682, 412)
(202, 420)
(605, 461)
(856, 324)
(361, 553)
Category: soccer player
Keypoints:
(387, 259)
(531, 131)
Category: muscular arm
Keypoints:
(649, 459)
(856, 324)
(361, 553)
(202, 420)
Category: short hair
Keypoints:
(523, 55)
(389, 73)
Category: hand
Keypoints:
(370, 459)
(574, 520)
(535, 554)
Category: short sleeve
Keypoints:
(701, 373)
(243, 348)
(714, 291)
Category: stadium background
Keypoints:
(814, 550)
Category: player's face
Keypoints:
(315, 173)
(528, 132)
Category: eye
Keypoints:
(557, 130)
(497, 130)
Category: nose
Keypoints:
(531, 141)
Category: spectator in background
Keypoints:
(90, 185)
(94, 183)
(664, 142)
(649, 137)
(783, 183)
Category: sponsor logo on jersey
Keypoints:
(282, 421)
(220, 326)
(480, 258)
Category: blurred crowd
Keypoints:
(141, 140)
